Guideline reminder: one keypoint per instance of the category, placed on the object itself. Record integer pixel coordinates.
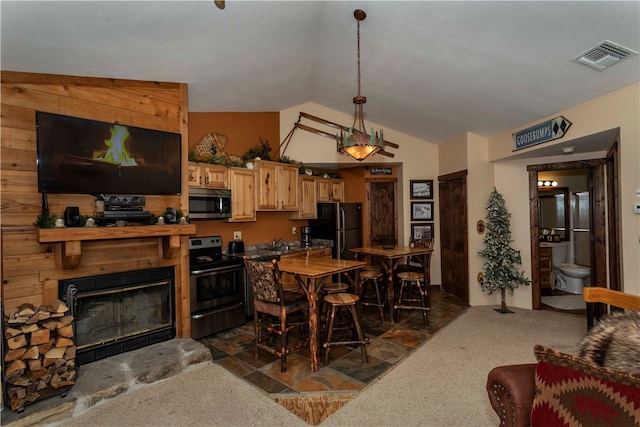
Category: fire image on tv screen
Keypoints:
(82, 156)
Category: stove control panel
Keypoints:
(205, 242)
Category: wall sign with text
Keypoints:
(543, 132)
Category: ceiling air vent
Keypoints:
(604, 55)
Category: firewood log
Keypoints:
(55, 353)
(28, 328)
(10, 332)
(33, 352)
(16, 342)
(40, 336)
(46, 346)
(70, 354)
(14, 354)
(65, 320)
(59, 306)
(34, 375)
(15, 366)
(66, 331)
(63, 342)
(35, 364)
(26, 309)
(50, 324)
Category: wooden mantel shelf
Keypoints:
(72, 238)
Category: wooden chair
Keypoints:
(600, 299)
(344, 300)
(372, 277)
(412, 277)
(273, 308)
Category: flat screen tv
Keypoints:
(81, 156)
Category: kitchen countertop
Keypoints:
(284, 248)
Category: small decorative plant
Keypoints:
(499, 268)
(262, 151)
(45, 220)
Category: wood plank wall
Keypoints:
(31, 270)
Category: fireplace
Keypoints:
(116, 313)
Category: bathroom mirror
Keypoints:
(553, 210)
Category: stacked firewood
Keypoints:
(39, 352)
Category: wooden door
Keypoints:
(454, 263)
(613, 211)
(382, 210)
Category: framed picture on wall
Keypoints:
(421, 189)
(422, 231)
(421, 211)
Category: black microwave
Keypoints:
(209, 203)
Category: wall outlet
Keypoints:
(294, 230)
(237, 235)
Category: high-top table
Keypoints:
(311, 273)
(390, 259)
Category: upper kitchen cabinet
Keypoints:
(277, 186)
(307, 198)
(330, 190)
(207, 176)
(243, 194)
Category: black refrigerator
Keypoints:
(342, 223)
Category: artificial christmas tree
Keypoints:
(499, 267)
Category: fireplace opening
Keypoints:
(116, 313)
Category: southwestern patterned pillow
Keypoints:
(570, 391)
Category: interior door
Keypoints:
(454, 263)
(613, 216)
(382, 210)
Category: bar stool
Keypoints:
(338, 301)
(372, 277)
(409, 280)
(327, 289)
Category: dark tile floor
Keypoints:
(389, 344)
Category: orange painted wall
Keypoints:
(243, 131)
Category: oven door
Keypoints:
(217, 287)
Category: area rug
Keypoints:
(565, 302)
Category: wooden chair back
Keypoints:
(265, 280)
(598, 299)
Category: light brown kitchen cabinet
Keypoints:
(207, 176)
(277, 186)
(242, 183)
(307, 198)
(330, 190)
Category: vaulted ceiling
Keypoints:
(429, 69)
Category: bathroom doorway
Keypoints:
(588, 196)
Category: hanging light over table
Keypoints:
(356, 142)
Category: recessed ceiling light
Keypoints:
(567, 150)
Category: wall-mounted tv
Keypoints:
(81, 156)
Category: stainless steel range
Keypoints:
(217, 285)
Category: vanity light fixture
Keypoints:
(356, 142)
(547, 183)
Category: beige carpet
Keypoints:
(440, 384)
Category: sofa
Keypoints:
(598, 387)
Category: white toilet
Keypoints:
(568, 277)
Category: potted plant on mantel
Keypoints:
(499, 268)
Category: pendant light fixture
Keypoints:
(355, 141)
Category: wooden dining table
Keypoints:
(389, 259)
(311, 273)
